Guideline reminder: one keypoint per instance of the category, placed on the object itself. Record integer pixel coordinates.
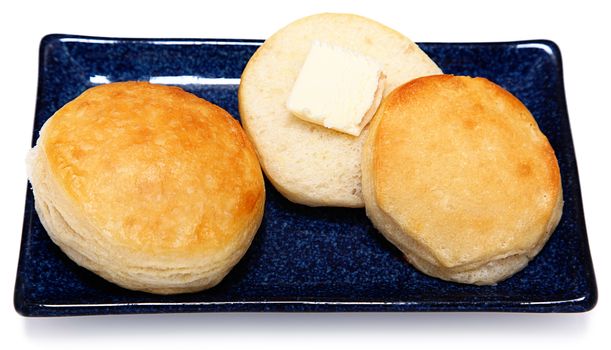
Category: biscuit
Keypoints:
(148, 186)
(457, 175)
(308, 163)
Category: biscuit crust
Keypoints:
(457, 174)
(149, 186)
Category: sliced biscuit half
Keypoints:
(308, 163)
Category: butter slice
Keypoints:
(337, 88)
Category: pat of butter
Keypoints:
(337, 88)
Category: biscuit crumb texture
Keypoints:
(310, 164)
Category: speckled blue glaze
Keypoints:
(307, 259)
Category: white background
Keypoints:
(578, 29)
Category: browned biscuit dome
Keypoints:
(457, 174)
(149, 186)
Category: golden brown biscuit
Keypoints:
(148, 186)
(457, 174)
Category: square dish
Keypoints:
(307, 259)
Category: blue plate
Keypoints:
(307, 259)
